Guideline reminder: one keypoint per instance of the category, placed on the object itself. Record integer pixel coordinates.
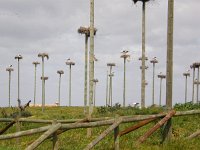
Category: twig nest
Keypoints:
(18, 57)
(60, 72)
(86, 31)
(43, 55)
(154, 60)
(196, 64)
(144, 1)
(140, 58)
(186, 74)
(9, 69)
(70, 63)
(36, 63)
(111, 64)
(44, 78)
(162, 76)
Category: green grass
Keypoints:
(76, 139)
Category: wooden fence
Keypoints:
(57, 127)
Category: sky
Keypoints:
(29, 27)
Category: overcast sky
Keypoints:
(28, 27)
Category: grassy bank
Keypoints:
(76, 139)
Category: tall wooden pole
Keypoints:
(143, 57)
(198, 84)
(70, 67)
(107, 88)
(43, 90)
(193, 83)
(160, 100)
(91, 64)
(185, 89)
(9, 86)
(59, 89)
(86, 74)
(124, 93)
(153, 99)
(169, 77)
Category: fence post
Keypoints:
(55, 137)
(116, 138)
(17, 129)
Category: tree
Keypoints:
(35, 63)
(43, 55)
(60, 72)
(153, 61)
(70, 64)
(9, 69)
(125, 55)
(161, 76)
(186, 75)
(143, 51)
(86, 32)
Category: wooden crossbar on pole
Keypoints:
(104, 134)
(158, 125)
(7, 127)
(195, 134)
(24, 133)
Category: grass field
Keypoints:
(76, 139)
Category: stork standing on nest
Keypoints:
(43, 55)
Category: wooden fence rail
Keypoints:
(64, 125)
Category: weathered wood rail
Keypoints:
(61, 126)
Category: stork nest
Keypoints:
(43, 55)
(144, 1)
(162, 76)
(60, 72)
(86, 31)
(70, 63)
(44, 78)
(111, 64)
(36, 63)
(125, 56)
(18, 57)
(196, 64)
(186, 74)
(154, 61)
(9, 69)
